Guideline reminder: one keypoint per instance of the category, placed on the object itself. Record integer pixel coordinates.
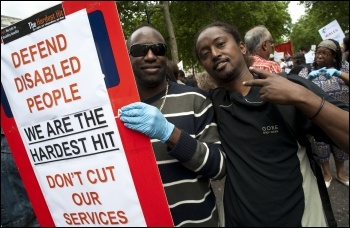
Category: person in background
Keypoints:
(193, 78)
(16, 208)
(333, 79)
(309, 54)
(185, 80)
(289, 63)
(172, 72)
(283, 64)
(269, 180)
(205, 82)
(345, 55)
(179, 120)
(260, 44)
(299, 65)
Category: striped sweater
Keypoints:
(187, 169)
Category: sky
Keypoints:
(295, 10)
(24, 9)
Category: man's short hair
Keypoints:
(181, 73)
(305, 48)
(299, 58)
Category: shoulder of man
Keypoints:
(217, 95)
(180, 88)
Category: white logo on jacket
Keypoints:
(270, 129)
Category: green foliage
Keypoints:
(318, 15)
(135, 13)
(132, 14)
(189, 16)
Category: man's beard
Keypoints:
(227, 77)
(151, 82)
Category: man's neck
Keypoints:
(237, 86)
(259, 56)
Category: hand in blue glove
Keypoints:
(147, 119)
(315, 73)
(332, 72)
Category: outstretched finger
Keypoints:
(255, 82)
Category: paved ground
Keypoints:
(338, 193)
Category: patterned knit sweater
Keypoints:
(187, 169)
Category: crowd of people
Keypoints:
(229, 121)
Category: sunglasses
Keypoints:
(138, 50)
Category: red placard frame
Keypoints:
(138, 149)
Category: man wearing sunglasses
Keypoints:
(180, 123)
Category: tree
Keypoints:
(187, 17)
(134, 13)
(318, 15)
(327, 11)
(174, 52)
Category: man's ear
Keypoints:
(264, 46)
(243, 47)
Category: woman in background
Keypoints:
(332, 75)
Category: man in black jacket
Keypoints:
(269, 180)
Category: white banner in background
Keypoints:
(278, 56)
(332, 31)
(180, 65)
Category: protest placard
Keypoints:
(65, 74)
(332, 31)
(285, 47)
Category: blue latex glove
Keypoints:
(147, 119)
(332, 72)
(315, 73)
